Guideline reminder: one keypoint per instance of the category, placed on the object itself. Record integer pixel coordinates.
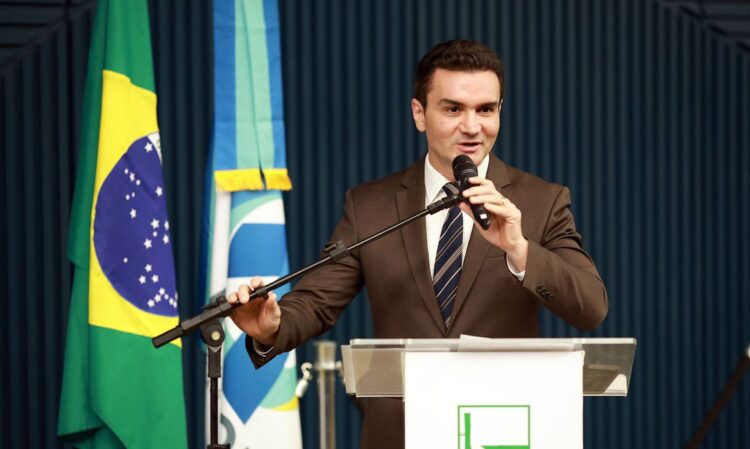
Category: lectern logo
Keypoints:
(494, 427)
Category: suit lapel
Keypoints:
(478, 246)
(409, 201)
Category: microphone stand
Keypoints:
(212, 331)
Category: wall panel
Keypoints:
(41, 83)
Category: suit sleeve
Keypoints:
(316, 302)
(561, 274)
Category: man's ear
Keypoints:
(417, 111)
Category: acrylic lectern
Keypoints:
(490, 393)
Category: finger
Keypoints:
(479, 190)
(244, 294)
(271, 308)
(493, 198)
(244, 288)
(274, 306)
(233, 297)
(478, 180)
(256, 282)
(503, 211)
(270, 302)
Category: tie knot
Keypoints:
(450, 188)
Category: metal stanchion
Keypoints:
(326, 368)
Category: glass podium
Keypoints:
(375, 367)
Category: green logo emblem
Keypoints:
(494, 427)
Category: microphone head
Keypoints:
(464, 168)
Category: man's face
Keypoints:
(462, 116)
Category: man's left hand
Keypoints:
(505, 225)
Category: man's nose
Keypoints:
(469, 123)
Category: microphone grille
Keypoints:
(464, 167)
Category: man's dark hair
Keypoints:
(459, 56)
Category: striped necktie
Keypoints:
(447, 270)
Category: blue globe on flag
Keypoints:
(132, 236)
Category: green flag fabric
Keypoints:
(118, 390)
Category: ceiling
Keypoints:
(26, 23)
(23, 23)
(730, 18)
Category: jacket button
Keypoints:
(540, 289)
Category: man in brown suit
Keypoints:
(530, 257)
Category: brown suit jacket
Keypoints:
(490, 301)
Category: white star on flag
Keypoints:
(165, 239)
(132, 213)
(148, 268)
(158, 191)
(132, 177)
(161, 291)
(154, 223)
(149, 147)
(155, 278)
(151, 303)
(142, 280)
(166, 225)
(147, 243)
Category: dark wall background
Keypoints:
(639, 108)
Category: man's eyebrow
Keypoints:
(490, 104)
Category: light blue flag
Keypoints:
(244, 221)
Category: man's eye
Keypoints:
(452, 109)
(486, 110)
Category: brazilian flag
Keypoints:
(118, 390)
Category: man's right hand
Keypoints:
(259, 318)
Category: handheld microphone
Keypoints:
(463, 169)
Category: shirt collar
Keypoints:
(434, 180)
